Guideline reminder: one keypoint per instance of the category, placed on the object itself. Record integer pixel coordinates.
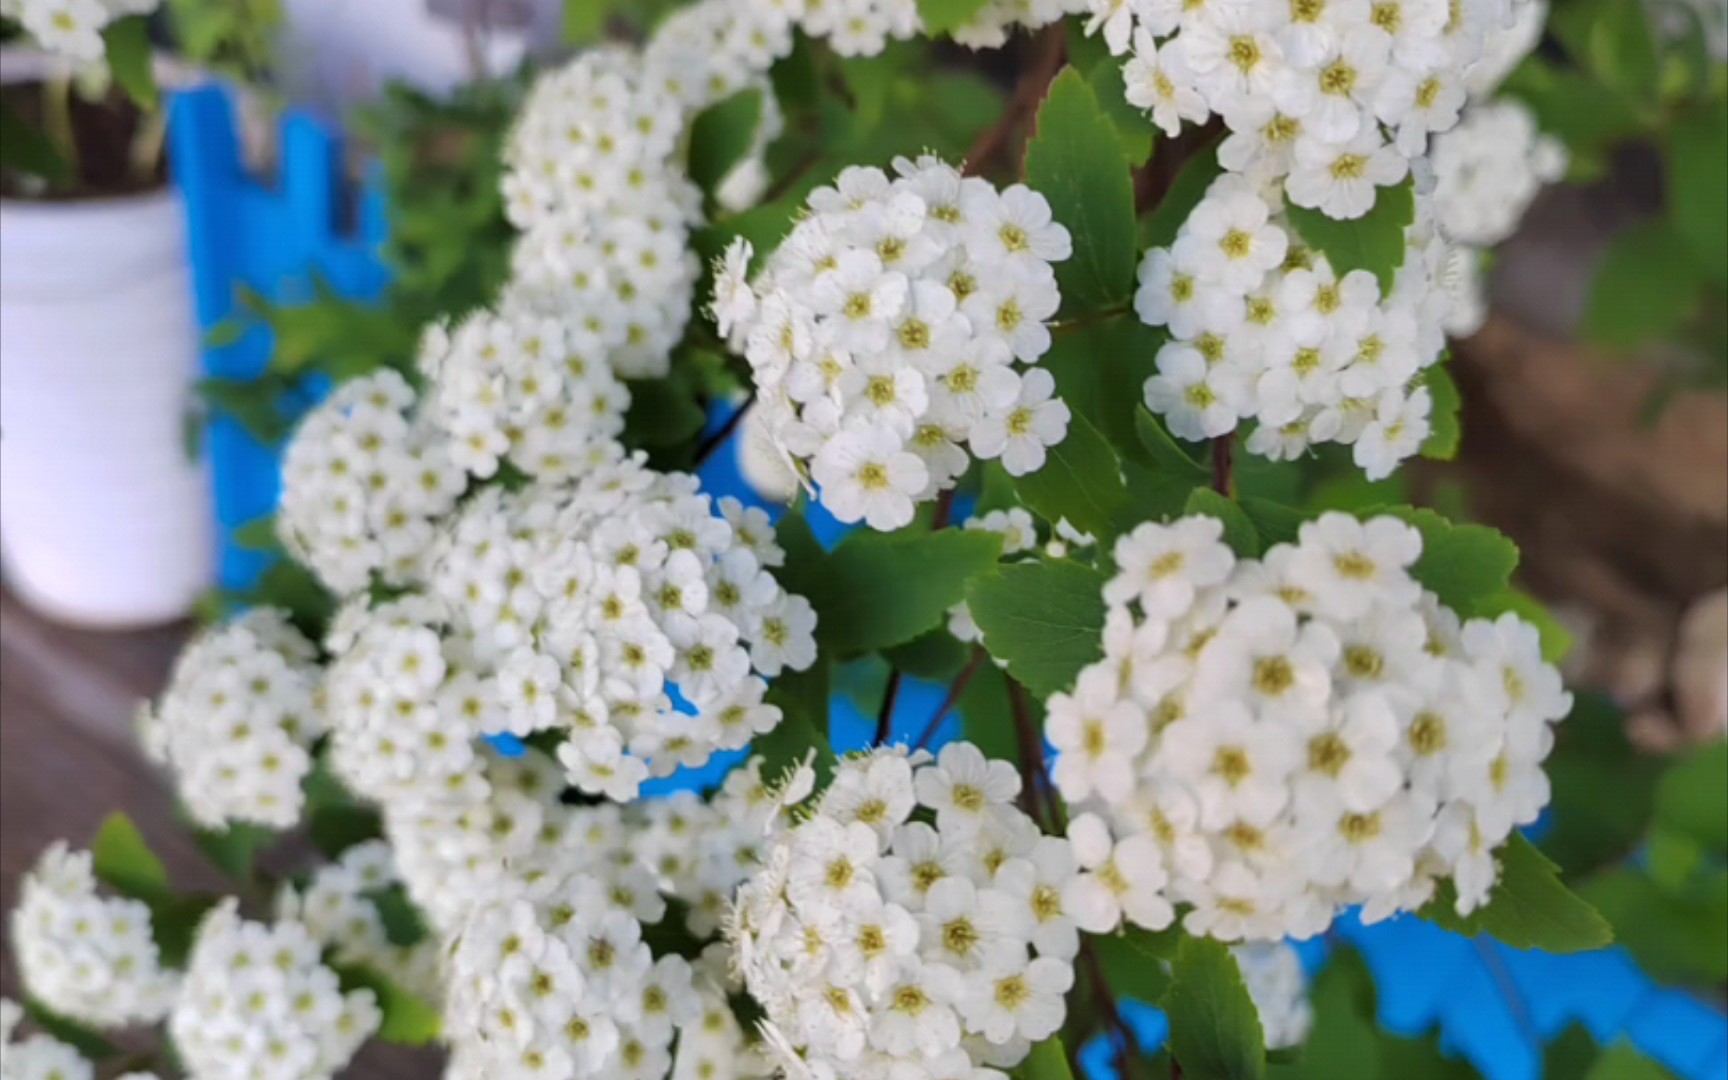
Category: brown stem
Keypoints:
(1031, 742)
(1223, 476)
(1028, 92)
(955, 692)
(715, 441)
(944, 510)
(885, 717)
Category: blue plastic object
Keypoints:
(271, 237)
(1492, 1005)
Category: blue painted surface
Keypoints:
(1492, 1005)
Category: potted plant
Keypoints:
(105, 518)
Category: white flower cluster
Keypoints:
(88, 957)
(1263, 328)
(884, 332)
(513, 382)
(364, 479)
(1279, 988)
(259, 1004)
(1272, 739)
(550, 973)
(41, 1056)
(238, 718)
(911, 924)
(338, 908)
(989, 28)
(72, 28)
(1329, 98)
(578, 609)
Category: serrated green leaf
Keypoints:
(1215, 1029)
(1047, 1061)
(1462, 564)
(1132, 973)
(936, 655)
(1133, 127)
(1044, 618)
(409, 1020)
(1373, 242)
(1239, 531)
(1697, 172)
(1159, 228)
(1528, 909)
(1445, 430)
(947, 16)
(1646, 287)
(124, 861)
(721, 137)
(1081, 480)
(1166, 452)
(1692, 796)
(802, 697)
(1101, 370)
(877, 590)
(25, 148)
(1276, 523)
(1075, 160)
(131, 60)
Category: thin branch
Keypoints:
(1223, 468)
(955, 691)
(1028, 92)
(944, 510)
(713, 442)
(1126, 1045)
(885, 717)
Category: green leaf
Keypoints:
(947, 16)
(881, 589)
(1159, 228)
(174, 922)
(1214, 1027)
(86, 1040)
(1044, 618)
(1276, 523)
(1646, 287)
(125, 862)
(987, 716)
(1445, 433)
(1344, 1043)
(1239, 531)
(1576, 108)
(1528, 909)
(1692, 797)
(803, 699)
(232, 849)
(937, 655)
(662, 413)
(130, 58)
(1622, 1062)
(1166, 452)
(1697, 171)
(1676, 935)
(721, 136)
(1133, 127)
(1373, 242)
(1133, 971)
(585, 20)
(404, 926)
(408, 1019)
(291, 587)
(1592, 755)
(27, 149)
(1081, 480)
(1048, 1061)
(1075, 160)
(1617, 46)
(252, 403)
(336, 828)
(1570, 1056)
(1462, 564)
(1101, 369)
(259, 534)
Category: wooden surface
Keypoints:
(68, 759)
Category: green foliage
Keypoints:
(1373, 242)
(1100, 368)
(1081, 480)
(947, 16)
(1677, 934)
(236, 38)
(1133, 965)
(721, 136)
(409, 1020)
(1159, 228)
(1528, 909)
(1592, 755)
(1463, 564)
(24, 148)
(1076, 161)
(1443, 439)
(935, 655)
(86, 1040)
(1133, 127)
(123, 860)
(987, 715)
(1214, 1027)
(1698, 184)
(1239, 531)
(877, 590)
(1556, 639)
(1648, 286)
(256, 404)
(803, 699)
(1622, 1062)
(1692, 798)
(233, 849)
(131, 59)
(404, 926)
(1047, 1061)
(1044, 618)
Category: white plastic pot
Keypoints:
(104, 521)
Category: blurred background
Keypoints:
(322, 182)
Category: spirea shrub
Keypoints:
(1001, 352)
